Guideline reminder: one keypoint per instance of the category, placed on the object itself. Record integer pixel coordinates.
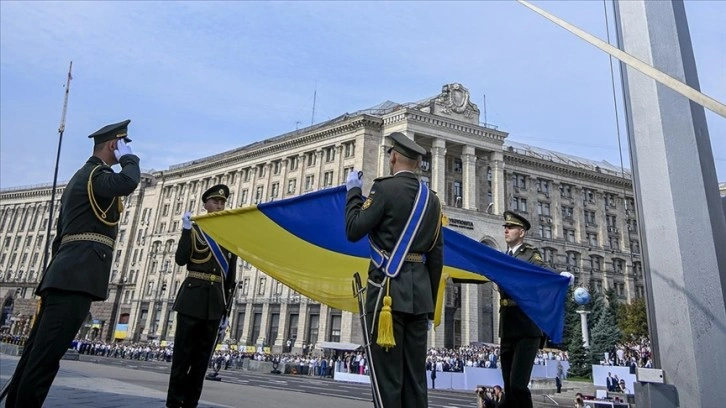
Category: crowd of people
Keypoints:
(635, 353)
(484, 356)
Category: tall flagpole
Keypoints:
(61, 129)
(6, 387)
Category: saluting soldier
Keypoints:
(402, 219)
(520, 336)
(82, 252)
(201, 303)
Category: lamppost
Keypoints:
(116, 307)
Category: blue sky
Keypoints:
(200, 78)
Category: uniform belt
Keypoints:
(204, 276)
(507, 302)
(88, 236)
(411, 257)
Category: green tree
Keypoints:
(612, 301)
(633, 320)
(572, 319)
(578, 355)
(603, 336)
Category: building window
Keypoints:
(592, 239)
(261, 286)
(590, 219)
(589, 195)
(595, 263)
(243, 198)
(275, 190)
(639, 291)
(543, 208)
(568, 234)
(519, 181)
(245, 286)
(550, 255)
(618, 266)
(519, 204)
(346, 171)
(291, 184)
(573, 260)
(294, 162)
(635, 246)
(258, 194)
(543, 186)
(632, 225)
(545, 231)
(638, 270)
(610, 200)
(276, 166)
(261, 170)
(350, 149)
(566, 190)
(310, 157)
(329, 154)
(328, 178)
(309, 181)
(426, 162)
(613, 242)
(246, 174)
(457, 165)
(611, 220)
(314, 322)
(567, 213)
(335, 323)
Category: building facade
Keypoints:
(582, 213)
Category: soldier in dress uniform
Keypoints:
(82, 252)
(520, 336)
(201, 303)
(384, 216)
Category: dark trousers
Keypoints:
(193, 341)
(517, 357)
(61, 315)
(401, 371)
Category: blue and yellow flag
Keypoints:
(301, 242)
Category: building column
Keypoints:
(468, 162)
(282, 325)
(438, 168)
(470, 312)
(497, 163)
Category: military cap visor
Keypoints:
(111, 132)
(218, 191)
(512, 219)
(407, 147)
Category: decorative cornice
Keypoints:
(270, 146)
(436, 121)
(566, 169)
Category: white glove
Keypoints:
(431, 325)
(354, 180)
(568, 275)
(187, 220)
(121, 149)
(222, 326)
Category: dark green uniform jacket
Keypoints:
(383, 217)
(199, 298)
(512, 320)
(83, 265)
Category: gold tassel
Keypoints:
(385, 322)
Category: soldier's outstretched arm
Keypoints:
(184, 248)
(362, 216)
(106, 183)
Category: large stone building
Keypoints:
(582, 214)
